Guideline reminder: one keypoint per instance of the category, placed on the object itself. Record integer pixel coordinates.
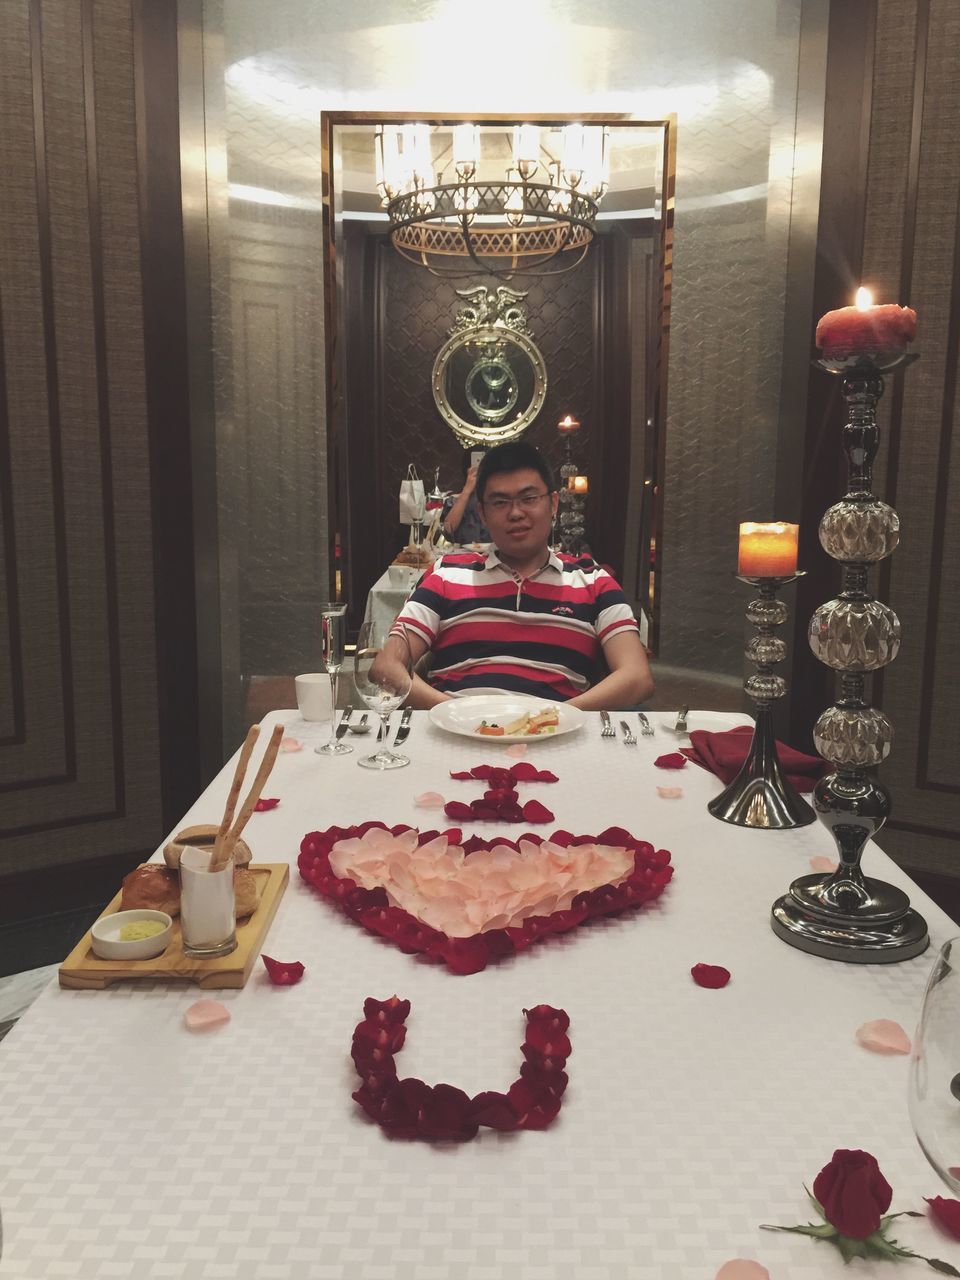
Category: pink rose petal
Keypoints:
(206, 1014)
(518, 750)
(262, 805)
(672, 760)
(670, 793)
(713, 976)
(290, 744)
(742, 1269)
(819, 863)
(429, 800)
(883, 1036)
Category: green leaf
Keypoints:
(944, 1268)
(904, 1213)
(815, 1202)
(824, 1232)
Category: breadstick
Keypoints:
(245, 753)
(266, 764)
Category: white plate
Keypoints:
(463, 715)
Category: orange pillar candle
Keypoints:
(866, 327)
(568, 425)
(578, 484)
(768, 550)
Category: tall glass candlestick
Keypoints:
(760, 795)
(847, 915)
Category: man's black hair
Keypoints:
(515, 455)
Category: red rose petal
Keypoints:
(457, 809)
(534, 811)
(946, 1212)
(463, 776)
(264, 804)
(673, 760)
(283, 973)
(713, 976)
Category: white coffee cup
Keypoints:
(313, 696)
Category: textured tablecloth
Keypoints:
(132, 1147)
(388, 595)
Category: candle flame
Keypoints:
(864, 299)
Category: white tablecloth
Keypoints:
(132, 1147)
(388, 595)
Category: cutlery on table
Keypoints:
(404, 729)
(384, 727)
(344, 724)
(681, 725)
(646, 728)
(629, 738)
(608, 730)
(361, 726)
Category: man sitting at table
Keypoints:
(521, 618)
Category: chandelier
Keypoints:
(453, 221)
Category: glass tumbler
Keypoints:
(208, 915)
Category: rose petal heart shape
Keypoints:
(470, 902)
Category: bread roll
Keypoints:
(246, 891)
(202, 837)
(153, 888)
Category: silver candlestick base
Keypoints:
(760, 795)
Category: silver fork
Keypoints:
(681, 725)
(629, 739)
(646, 728)
(608, 730)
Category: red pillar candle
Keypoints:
(866, 328)
(767, 550)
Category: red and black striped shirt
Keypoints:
(489, 629)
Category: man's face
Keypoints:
(518, 511)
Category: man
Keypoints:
(520, 618)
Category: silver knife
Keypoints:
(404, 729)
(344, 723)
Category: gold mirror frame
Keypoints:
(652, 475)
(492, 319)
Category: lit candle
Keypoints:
(866, 327)
(567, 425)
(768, 550)
(579, 484)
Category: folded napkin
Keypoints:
(724, 753)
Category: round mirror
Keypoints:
(489, 384)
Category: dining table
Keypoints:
(135, 1147)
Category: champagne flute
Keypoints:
(333, 623)
(383, 675)
(935, 1068)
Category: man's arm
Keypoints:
(629, 681)
(455, 515)
(421, 696)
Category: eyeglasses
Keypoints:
(525, 501)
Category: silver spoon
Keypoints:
(361, 726)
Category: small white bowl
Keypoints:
(107, 944)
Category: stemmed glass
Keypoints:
(935, 1068)
(382, 672)
(333, 624)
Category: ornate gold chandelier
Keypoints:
(505, 225)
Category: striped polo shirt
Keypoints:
(488, 628)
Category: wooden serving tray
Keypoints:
(82, 969)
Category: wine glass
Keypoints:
(935, 1068)
(383, 676)
(333, 624)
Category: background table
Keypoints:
(133, 1148)
(388, 594)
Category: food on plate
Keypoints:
(137, 930)
(528, 725)
(414, 559)
(202, 837)
(153, 887)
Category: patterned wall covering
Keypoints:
(79, 694)
(912, 254)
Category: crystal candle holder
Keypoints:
(760, 795)
(847, 915)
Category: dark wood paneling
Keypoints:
(99, 749)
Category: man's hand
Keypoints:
(629, 681)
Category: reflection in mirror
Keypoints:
(405, 386)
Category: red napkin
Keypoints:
(724, 753)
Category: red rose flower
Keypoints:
(947, 1213)
(853, 1192)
